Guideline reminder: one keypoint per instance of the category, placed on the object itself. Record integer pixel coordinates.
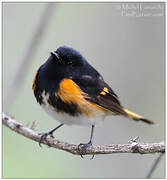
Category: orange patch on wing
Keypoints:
(70, 92)
(103, 93)
(33, 86)
(105, 90)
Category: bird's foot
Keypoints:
(44, 137)
(83, 147)
(50, 133)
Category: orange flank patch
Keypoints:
(100, 107)
(33, 86)
(70, 92)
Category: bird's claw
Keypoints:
(82, 149)
(44, 138)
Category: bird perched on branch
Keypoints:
(73, 92)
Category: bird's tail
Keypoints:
(137, 117)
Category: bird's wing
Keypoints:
(99, 92)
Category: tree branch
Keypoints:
(134, 147)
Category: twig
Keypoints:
(134, 147)
(15, 83)
(154, 165)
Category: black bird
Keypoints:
(73, 92)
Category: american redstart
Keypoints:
(73, 92)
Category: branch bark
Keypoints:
(134, 147)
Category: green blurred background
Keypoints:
(129, 51)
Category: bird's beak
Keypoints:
(55, 54)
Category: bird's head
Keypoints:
(67, 56)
